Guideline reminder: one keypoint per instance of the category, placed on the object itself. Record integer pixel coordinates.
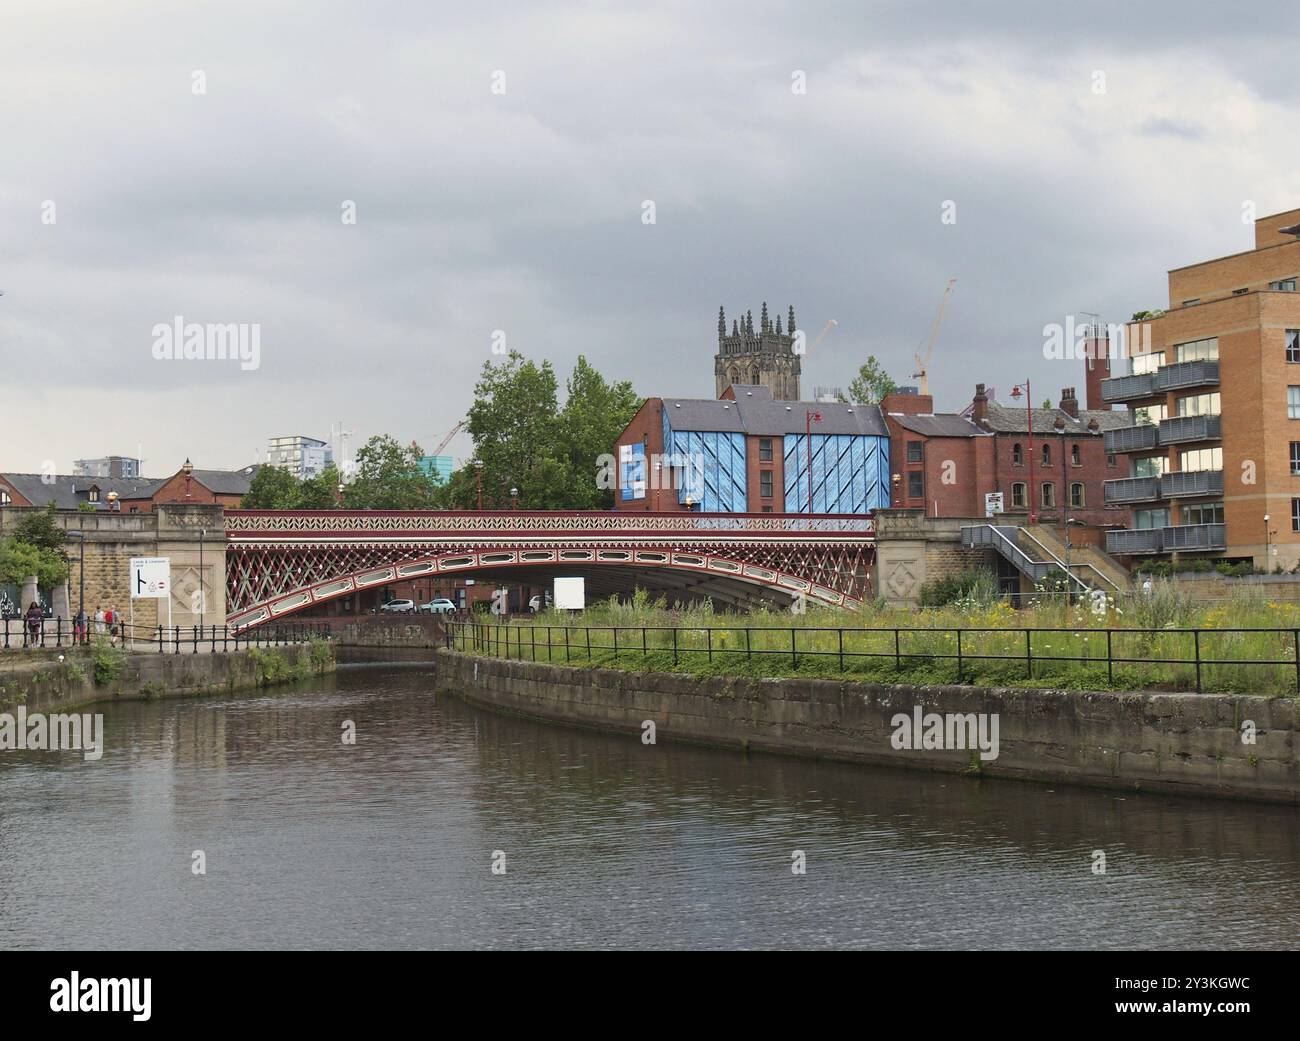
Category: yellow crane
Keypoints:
(923, 365)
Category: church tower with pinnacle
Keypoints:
(764, 356)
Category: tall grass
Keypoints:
(1147, 649)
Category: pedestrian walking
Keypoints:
(79, 626)
(99, 621)
(35, 622)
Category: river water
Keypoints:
(608, 843)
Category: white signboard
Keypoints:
(992, 504)
(570, 594)
(151, 578)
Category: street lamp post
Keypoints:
(81, 582)
(478, 474)
(810, 418)
(897, 482)
(203, 532)
(188, 470)
(514, 499)
(1029, 404)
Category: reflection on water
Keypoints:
(608, 843)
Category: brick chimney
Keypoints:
(1097, 360)
(1069, 402)
(979, 406)
(908, 404)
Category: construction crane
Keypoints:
(450, 434)
(923, 365)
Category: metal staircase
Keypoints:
(1028, 554)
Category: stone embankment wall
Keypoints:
(46, 681)
(1182, 743)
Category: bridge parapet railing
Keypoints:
(437, 521)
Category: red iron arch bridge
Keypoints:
(281, 562)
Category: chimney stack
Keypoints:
(979, 406)
(1069, 402)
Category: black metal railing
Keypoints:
(17, 634)
(1200, 652)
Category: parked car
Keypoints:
(438, 605)
(398, 606)
(535, 604)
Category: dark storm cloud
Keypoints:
(522, 212)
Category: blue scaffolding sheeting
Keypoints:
(850, 473)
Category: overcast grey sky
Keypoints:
(478, 211)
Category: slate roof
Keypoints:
(67, 493)
(940, 425)
(762, 416)
(1003, 419)
(227, 482)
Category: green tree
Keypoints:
(388, 477)
(273, 489)
(321, 492)
(871, 384)
(35, 547)
(595, 413)
(515, 425)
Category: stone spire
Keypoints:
(790, 325)
(722, 323)
(763, 321)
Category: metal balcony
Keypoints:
(1191, 482)
(1133, 540)
(1186, 374)
(1132, 439)
(1193, 536)
(1132, 489)
(1127, 388)
(1180, 537)
(1167, 377)
(1190, 428)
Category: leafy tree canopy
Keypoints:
(871, 384)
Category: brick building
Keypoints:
(1213, 392)
(948, 462)
(748, 452)
(132, 494)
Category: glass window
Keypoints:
(1150, 466)
(915, 484)
(1205, 513)
(765, 449)
(914, 451)
(1295, 514)
(1293, 403)
(1285, 285)
(1049, 493)
(1076, 495)
(1111, 460)
(1293, 345)
(1201, 459)
(1151, 518)
(1198, 350)
(1047, 455)
(1150, 414)
(765, 484)
(1295, 459)
(1198, 405)
(1017, 455)
(1144, 363)
(1018, 494)
(767, 509)
(1076, 457)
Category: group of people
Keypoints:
(104, 621)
